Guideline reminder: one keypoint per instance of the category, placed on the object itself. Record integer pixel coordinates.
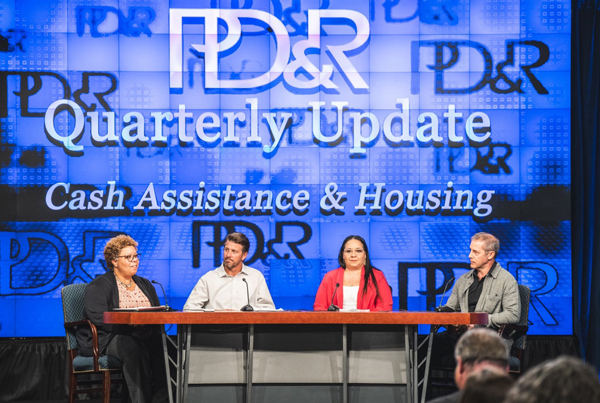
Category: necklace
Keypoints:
(125, 285)
(352, 278)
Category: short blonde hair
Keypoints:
(490, 242)
(114, 247)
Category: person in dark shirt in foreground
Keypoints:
(486, 386)
(563, 379)
(476, 350)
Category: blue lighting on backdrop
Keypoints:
(413, 123)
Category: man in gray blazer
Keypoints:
(486, 288)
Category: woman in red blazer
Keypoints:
(356, 284)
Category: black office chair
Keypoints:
(518, 333)
(443, 377)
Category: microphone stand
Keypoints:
(247, 308)
(441, 308)
(333, 307)
(167, 307)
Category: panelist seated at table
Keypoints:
(486, 288)
(139, 348)
(356, 284)
(233, 285)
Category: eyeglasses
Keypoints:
(131, 258)
(349, 251)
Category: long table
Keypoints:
(409, 321)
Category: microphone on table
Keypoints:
(439, 308)
(333, 307)
(247, 307)
(167, 307)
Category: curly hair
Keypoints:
(114, 247)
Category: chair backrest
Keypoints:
(73, 309)
(524, 296)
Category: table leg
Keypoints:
(409, 360)
(427, 362)
(416, 364)
(414, 382)
(249, 363)
(183, 358)
(345, 363)
(165, 340)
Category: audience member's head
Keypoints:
(478, 349)
(563, 379)
(486, 386)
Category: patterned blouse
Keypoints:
(132, 299)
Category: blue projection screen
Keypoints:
(413, 123)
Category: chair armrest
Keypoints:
(92, 327)
(69, 325)
(512, 331)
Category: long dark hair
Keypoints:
(369, 275)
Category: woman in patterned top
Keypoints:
(138, 347)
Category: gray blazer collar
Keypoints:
(493, 271)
